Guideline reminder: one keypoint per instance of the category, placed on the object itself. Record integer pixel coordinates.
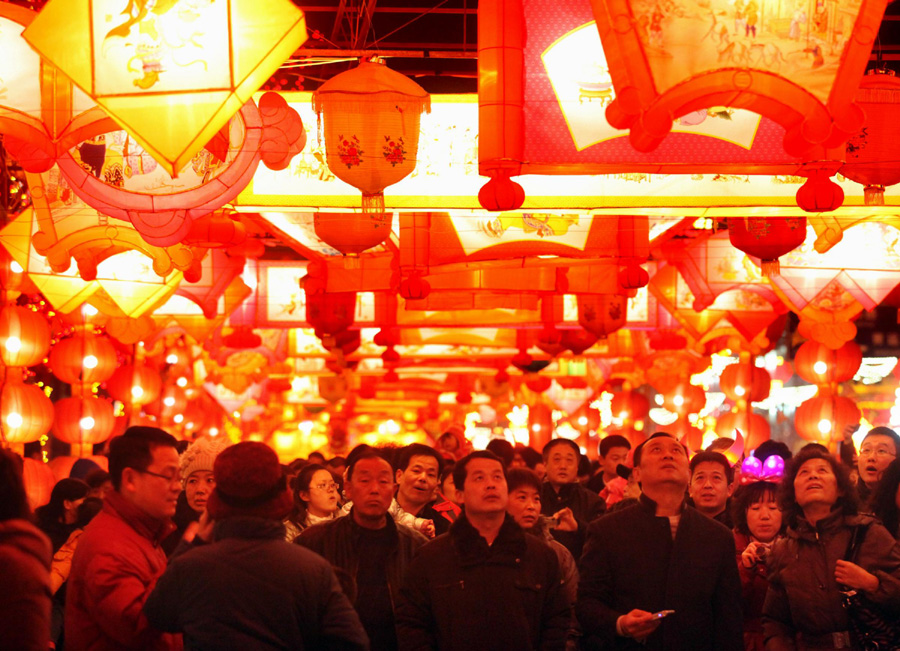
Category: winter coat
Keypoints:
(24, 586)
(630, 561)
(118, 561)
(461, 594)
(803, 596)
(249, 590)
(754, 586)
(586, 506)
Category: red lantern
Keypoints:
(538, 383)
(330, 312)
(333, 388)
(220, 228)
(818, 364)
(745, 381)
(134, 384)
(84, 421)
(578, 340)
(824, 418)
(242, 338)
(767, 238)
(501, 194)
(414, 288)
(871, 154)
(753, 427)
(540, 426)
(685, 399)
(602, 314)
(630, 405)
(172, 401)
(820, 193)
(26, 413)
(39, 481)
(24, 336)
(351, 233)
(84, 358)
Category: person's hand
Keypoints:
(202, 528)
(853, 576)
(638, 624)
(849, 431)
(566, 520)
(427, 528)
(755, 553)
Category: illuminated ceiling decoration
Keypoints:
(171, 73)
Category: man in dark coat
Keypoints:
(660, 555)
(564, 499)
(368, 547)
(485, 585)
(418, 474)
(250, 589)
(712, 483)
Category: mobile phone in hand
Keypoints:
(662, 613)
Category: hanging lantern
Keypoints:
(685, 399)
(767, 238)
(578, 340)
(171, 76)
(134, 384)
(540, 426)
(537, 383)
(83, 358)
(24, 336)
(26, 412)
(351, 234)
(83, 422)
(172, 400)
(371, 124)
(871, 157)
(602, 314)
(501, 194)
(220, 228)
(39, 481)
(629, 406)
(753, 427)
(330, 312)
(414, 287)
(820, 365)
(823, 418)
(819, 193)
(745, 381)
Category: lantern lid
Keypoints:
(376, 82)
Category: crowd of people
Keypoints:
(220, 546)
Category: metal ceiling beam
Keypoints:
(338, 20)
(365, 25)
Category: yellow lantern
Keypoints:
(170, 73)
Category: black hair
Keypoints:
(302, 483)
(770, 448)
(584, 466)
(460, 472)
(847, 502)
(96, 478)
(552, 443)
(709, 456)
(518, 477)
(368, 453)
(530, 456)
(613, 441)
(447, 471)
(89, 508)
(13, 498)
(66, 489)
(638, 451)
(503, 449)
(315, 454)
(885, 431)
(336, 461)
(134, 449)
(884, 499)
(747, 495)
(418, 450)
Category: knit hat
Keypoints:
(201, 454)
(249, 482)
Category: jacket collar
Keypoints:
(835, 521)
(649, 505)
(473, 549)
(145, 525)
(565, 490)
(358, 531)
(248, 527)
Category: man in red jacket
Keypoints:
(119, 558)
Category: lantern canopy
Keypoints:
(371, 123)
(171, 73)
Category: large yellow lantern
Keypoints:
(171, 72)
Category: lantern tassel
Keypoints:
(874, 195)
(373, 203)
(351, 261)
(771, 268)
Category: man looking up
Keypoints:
(879, 447)
(418, 474)
(119, 557)
(485, 585)
(568, 503)
(370, 548)
(711, 486)
(655, 556)
(613, 452)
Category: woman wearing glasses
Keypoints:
(315, 499)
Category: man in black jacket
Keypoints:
(418, 474)
(564, 499)
(485, 585)
(372, 551)
(658, 575)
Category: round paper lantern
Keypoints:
(537, 383)
(84, 421)
(819, 193)
(540, 426)
(39, 482)
(685, 399)
(172, 401)
(818, 364)
(330, 312)
(578, 340)
(630, 405)
(501, 194)
(745, 381)
(414, 288)
(753, 427)
(823, 418)
(333, 388)
(25, 411)
(24, 336)
(350, 233)
(871, 155)
(602, 314)
(689, 435)
(84, 358)
(371, 126)
(134, 384)
(767, 238)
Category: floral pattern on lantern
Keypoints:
(602, 314)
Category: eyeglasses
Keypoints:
(881, 453)
(172, 478)
(327, 487)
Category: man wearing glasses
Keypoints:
(879, 447)
(119, 557)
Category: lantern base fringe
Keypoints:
(351, 261)
(770, 268)
(370, 102)
(373, 203)
(874, 195)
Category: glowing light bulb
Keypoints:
(582, 420)
(15, 267)
(86, 423)
(178, 418)
(90, 361)
(678, 400)
(14, 420)
(168, 401)
(171, 358)
(824, 426)
(137, 392)
(820, 368)
(739, 390)
(13, 344)
(536, 427)
(189, 425)
(181, 382)
(213, 431)
(89, 310)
